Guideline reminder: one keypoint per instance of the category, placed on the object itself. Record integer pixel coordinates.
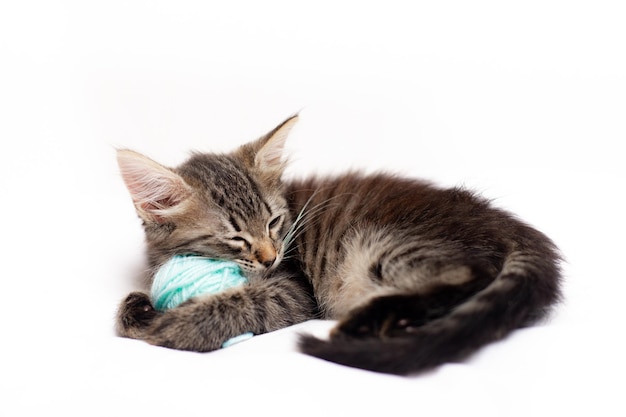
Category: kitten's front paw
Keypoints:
(135, 314)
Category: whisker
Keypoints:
(305, 219)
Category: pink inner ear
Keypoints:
(163, 204)
(270, 156)
(155, 190)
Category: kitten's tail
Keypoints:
(524, 290)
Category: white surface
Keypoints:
(523, 102)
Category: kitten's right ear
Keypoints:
(265, 155)
(157, 191)
(269, 155)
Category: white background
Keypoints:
(524, 101)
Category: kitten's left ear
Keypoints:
(266, 154)
(270, 155)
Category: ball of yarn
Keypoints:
(187, 276)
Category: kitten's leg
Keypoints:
(204, 323)
(397, 314)
(381, 335)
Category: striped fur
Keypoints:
(416, 275)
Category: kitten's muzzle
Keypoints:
(266, 254)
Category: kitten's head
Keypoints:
(224, 206)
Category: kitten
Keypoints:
(415, 275)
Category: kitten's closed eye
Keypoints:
(275, 224)
(241, 242)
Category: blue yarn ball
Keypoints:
(187, 276)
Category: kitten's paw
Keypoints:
(135, 314)
(387, 316)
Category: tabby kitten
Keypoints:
(415, 275)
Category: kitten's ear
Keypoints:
(266, 154)
(270, 154)
(157, 191)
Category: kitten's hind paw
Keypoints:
(387, 316)
(135, 314)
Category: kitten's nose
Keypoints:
(266, 255)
